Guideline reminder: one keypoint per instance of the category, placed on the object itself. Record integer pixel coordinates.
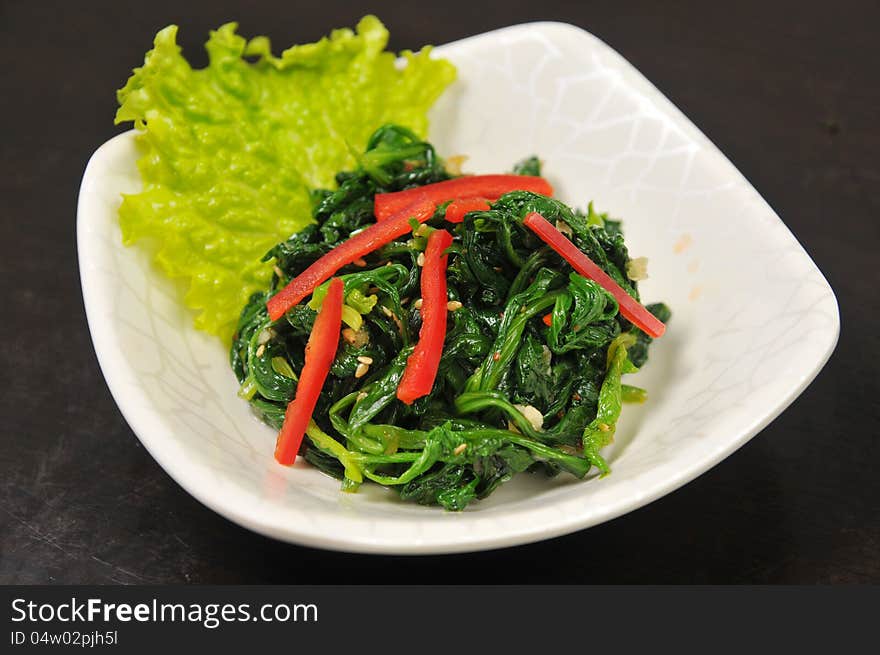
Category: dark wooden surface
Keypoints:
(789, 91)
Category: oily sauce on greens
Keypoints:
(512, 393)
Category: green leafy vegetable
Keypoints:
(600, 431)
(231, 151)
(512, 394)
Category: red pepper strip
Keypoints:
(629, 306)
(490, 187)
(362, 243)
(548, 319)
(422, 365)
(458, 208)
(320, 351)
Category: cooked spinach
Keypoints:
(530, 378)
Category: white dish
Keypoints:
(753, 318)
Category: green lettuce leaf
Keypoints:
(230, 151)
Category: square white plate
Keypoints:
(753, 318)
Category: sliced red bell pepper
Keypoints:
(456, 210)
(362, 243)
(629, 306)
(320, 351)
(421, 367)
(490, 187)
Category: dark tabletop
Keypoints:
(789, 91)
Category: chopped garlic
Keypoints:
(533, 415)
(454, 164)
(357, 338)
(637, 269)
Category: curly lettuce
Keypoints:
(230, 151)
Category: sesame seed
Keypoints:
(361, 370)
(278, 271)
(363, 359)
(459, 449)
(263, 337)
(453, 305)
(386, 311)
(361, 396)
(604, 427)
(397, 323)
(349, 335)
(418, 303)
(404, 301)
(421, 259)
(261, 350)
